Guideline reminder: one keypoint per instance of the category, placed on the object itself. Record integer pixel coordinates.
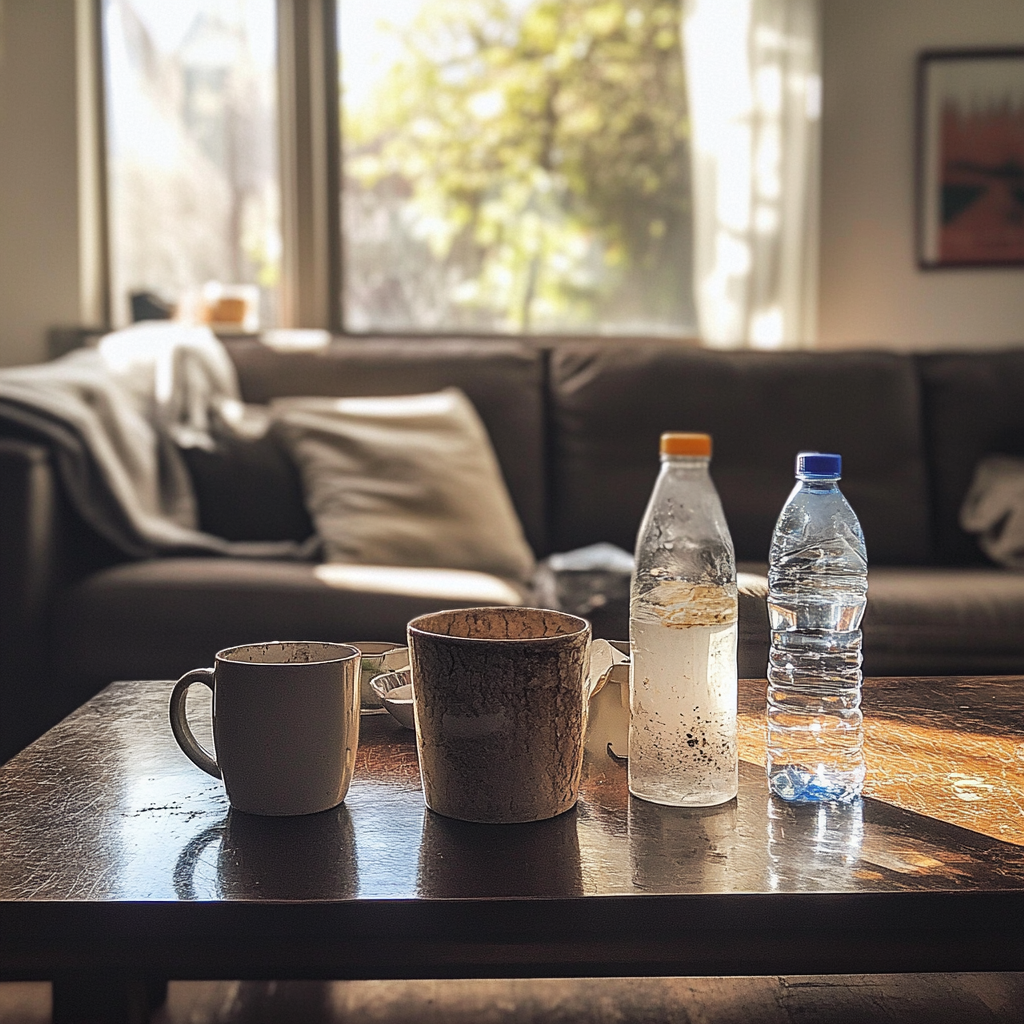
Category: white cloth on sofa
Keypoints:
(115, 415)
(994, 509)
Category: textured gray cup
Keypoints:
(501, 710)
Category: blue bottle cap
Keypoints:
(819, 466)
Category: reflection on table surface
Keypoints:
(105, 807)
(950, 748)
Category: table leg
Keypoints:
(106, 999)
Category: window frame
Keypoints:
(309, 161)
(309, 155)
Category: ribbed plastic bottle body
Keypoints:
(682, 736)
(817, 592)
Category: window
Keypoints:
(191, 131)
(505, 166)
(515, 165)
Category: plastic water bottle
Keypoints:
(817, 590)
(682, 633)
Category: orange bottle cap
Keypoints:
(686, 444)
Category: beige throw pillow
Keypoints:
(409, 480)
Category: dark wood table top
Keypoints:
(950, 748)
(117, 853)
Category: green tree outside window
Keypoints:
(524, 167)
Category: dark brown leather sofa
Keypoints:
(575, 427)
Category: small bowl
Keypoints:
(377, 658)
(395, 692)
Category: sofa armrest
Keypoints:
(44, 547)
(29, 562)
(29, 547)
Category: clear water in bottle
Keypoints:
(817, 580)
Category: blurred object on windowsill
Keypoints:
(225, 308)
(151, 306)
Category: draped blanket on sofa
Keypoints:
(116, 416)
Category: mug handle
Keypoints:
(197, 754)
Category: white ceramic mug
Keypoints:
(285, 724)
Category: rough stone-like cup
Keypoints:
(501, 709)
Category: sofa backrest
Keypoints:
(575, 426)
(610, 404)
(503, 380)
(973, 405)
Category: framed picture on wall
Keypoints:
(970, 193)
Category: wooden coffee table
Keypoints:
(120, 862)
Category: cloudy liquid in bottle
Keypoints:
(682, 735)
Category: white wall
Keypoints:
(871, 291)
(39, 224)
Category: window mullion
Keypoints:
(307, 100)
(94, 303)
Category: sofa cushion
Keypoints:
(404, 480)
(928, 620)
(157, 619)
(609, 406)
(248, 490)
(944, 621)
(504, 381)
(973, 407)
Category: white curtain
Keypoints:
(753, 72)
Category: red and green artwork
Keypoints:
(982, 183)
(971, 137)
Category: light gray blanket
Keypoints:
(994, 509)
(116, 416)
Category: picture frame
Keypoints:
(970, 158)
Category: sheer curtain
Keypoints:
(753, 71)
